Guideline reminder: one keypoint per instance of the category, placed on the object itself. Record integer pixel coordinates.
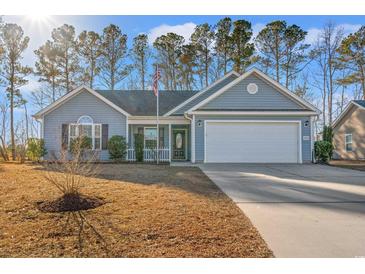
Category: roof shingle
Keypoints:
(143, 102)
(360, 102)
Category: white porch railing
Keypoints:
(150, 154)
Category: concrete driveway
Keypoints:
(300, 210)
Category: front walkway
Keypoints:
(300, 210)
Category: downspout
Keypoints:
(313, 119)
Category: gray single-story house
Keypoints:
(248, 118)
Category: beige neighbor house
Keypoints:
(349, 132)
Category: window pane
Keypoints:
(86, 130)
(97, 143)
(72, 130)
(349, 147)
(85, 120)
(97, 131)
(161, 137)
(150, 133)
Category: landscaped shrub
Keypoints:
(327, 134)
(323, 151)
(80, 144)
(36, 149)
(21, 152)
(138, 146)
(117, 147)
(75, 172)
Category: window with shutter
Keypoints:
(85, 126)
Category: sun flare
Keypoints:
(38, 18)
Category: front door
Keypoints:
(179, 144)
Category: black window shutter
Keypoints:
(104, 142)
(64, 136)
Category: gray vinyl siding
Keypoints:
(199, 133)
(82, 104)
(206, 94)
(237, 98)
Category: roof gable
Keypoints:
(72, 94)
(267, 86)
(238, 98)
(205, 93)
(350, 106)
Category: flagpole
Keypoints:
(157, 120)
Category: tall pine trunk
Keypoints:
(324, 97)
(277, 66)
(206, 67)
(142, 72)
(12, 137)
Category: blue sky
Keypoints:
(39, 31)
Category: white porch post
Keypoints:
(312, 137)
(126, 131)
(170, 142)
(127, 136)
(193, 139)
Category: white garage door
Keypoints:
(252, 142)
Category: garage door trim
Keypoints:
(298, 122)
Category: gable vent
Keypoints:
(252, 88)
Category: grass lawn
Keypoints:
(357, 165)
(149, 211)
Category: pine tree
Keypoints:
(13, 73)
(67, 59)
(352, 57)
(113, 54)
(242, 49)
(141, 54)
(223, 43)
(283, 49)
(203, 39)
(169, 48)
(89, 48)
(46, 67)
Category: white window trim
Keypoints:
(92, 133)
(346, 143)
(85, 116)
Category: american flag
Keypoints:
(156, 77)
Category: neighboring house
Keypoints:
(349, 132)
(239, 118)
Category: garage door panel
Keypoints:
(259, 142)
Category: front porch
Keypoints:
(173, 142)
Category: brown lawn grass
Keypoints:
(149, 211)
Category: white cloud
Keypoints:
(184, 30)
(313, 33)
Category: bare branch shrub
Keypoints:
(70, 171)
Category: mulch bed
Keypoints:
(138, 211)
(69, 203)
